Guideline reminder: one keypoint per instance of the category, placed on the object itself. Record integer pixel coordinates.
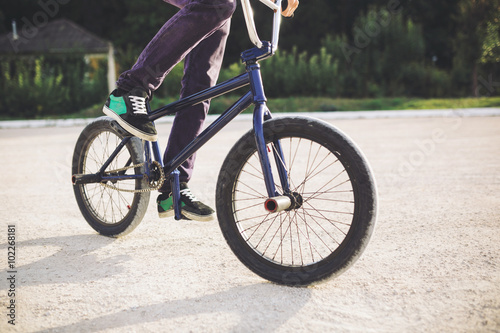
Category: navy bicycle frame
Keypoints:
(261, 113)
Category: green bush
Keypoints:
(34, 87)
(384, 58)
(171, 86)
(439, 83)
(27, 92)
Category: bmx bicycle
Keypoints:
(295, 198)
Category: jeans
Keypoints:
(197, 34)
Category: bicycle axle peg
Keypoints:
(277, 204)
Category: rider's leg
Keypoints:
(196, 21)
(201, 71)
(202, 66)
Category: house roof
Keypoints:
(58, 36)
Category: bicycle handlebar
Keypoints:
(250, 22)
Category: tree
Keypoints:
(475, 40)
(491, 42)
(438, 21)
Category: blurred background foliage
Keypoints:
(331, 48)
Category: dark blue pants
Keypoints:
(197, 34)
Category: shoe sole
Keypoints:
(188, 215)
(129, 128)
(168, 213)
(201, 218)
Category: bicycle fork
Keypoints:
(276, 202)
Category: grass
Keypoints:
(320, 104)
(297, 104)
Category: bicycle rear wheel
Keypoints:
(336, 198)
(110, 212)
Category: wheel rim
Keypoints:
(309, 233)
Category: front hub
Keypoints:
(296, 200)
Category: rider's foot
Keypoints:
(130, 111)
(191, 208)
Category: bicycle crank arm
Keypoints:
(97, 178)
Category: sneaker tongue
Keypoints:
(119, 92)
(139, 92)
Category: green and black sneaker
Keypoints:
(191, 208)
(130, 111)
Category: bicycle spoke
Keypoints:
(316, 229)
(107, 204)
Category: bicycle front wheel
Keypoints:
(335, 203)
(113, 210)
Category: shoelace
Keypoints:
(186, 192)
(138, 105)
